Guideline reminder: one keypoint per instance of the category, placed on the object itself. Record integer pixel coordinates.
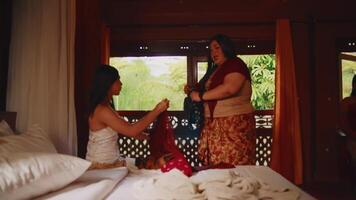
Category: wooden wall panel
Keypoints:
(327, 97)
(5, 27)
(184, 12)
(87, 57)
(236, 31)
(303, 45)
(123, 37)
(199, 12)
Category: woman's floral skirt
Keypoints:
(229, 140)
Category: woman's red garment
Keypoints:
(230, 66)
(162, 143)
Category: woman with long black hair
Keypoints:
(228, 135)
(105, 123)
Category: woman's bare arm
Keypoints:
(111, 119)
(231, 85)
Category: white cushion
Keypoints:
(35, 139)
(5, 129)
(27, 175)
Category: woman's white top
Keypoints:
(102, 146)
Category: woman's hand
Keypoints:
(187, 89)
(164, 159)
(142, 136)
(162, 106)
(195, 96)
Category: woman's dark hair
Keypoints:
(353, 90)
(226, 44)
(195, 110)
(104, 77)
(228, 48)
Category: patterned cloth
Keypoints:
(162, 142)
(229, 140)
(180, 163)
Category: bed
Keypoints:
(122, 184)
(126, 188)
(31, 168)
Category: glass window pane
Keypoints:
(348, 68)
(148, 80)
(262, 70)
(202, 66)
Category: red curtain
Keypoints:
(286, 147)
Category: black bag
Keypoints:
(195, 110)
(195, 113)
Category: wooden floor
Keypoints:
(331, 192)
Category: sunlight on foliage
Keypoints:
(262, 70)
(348, 71)
(147, 80)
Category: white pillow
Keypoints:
(27, 175)
(5, 129)
(92, 185)
(35, 139)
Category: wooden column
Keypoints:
(5, 27)
(87, 57)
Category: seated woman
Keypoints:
(105, 123)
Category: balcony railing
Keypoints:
(187, 139)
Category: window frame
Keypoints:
(197, 51)
(344, 45)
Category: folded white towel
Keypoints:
(214, 184)
(173, 185)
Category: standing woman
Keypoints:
(105, 123)
(348, 112)
(229, 134)
(348, 125)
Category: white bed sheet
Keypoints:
(92, 185)
(118, 183)
(125, 189)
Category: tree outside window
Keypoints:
(147, 80)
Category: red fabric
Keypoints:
(162, 142)
(179, 163)
(230, 66)
(286, 157)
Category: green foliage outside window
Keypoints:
(262, 70)
(147, 80)
(348, 72)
